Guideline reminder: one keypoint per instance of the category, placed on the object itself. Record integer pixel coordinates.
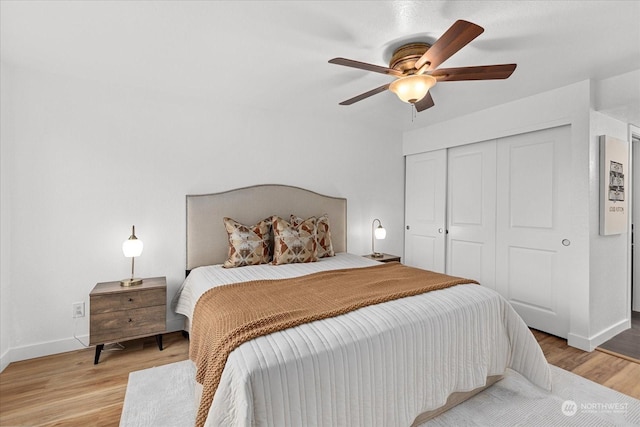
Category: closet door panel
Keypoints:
(466, 259)
(471, 212)
(425, 200)
(532, 221)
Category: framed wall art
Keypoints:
(614, 185)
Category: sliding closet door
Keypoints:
(471, 212)
(425, 198)
(532, 241)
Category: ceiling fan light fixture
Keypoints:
(412, 89)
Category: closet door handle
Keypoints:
(440, 230)
(566, 242)
(408, 227)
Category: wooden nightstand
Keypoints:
(384, 258)
(119, 313)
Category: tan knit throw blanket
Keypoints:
(227, 316)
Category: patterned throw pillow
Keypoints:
(294, 243)
(323, 235)
(248, 245)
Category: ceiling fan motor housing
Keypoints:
(405, 57)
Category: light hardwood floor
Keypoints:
(69, 390)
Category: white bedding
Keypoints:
(381, 365)
(202, 279)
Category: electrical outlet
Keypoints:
(78, 309)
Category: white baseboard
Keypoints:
(590, 344)
(4, 360)
(610, 332)
(578, 341)
(48, 348)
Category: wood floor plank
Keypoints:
(626, 381)
(69, 390)
(601, 367)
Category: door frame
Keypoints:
(633, 296)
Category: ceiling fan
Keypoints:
(416, 67)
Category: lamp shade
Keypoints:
(132, 247)
(412, 88)
(380, 233)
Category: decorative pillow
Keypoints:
(294, 243)
(248, 245)
(323, 235)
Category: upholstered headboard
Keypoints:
(207, 242)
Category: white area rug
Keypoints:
(163, 396)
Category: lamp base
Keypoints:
(377, 255)
(131, 282)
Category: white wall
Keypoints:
(609, 287)
(617, 97)
(5, 219)
(591, 323)
(90, 160)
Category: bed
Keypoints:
(398, 363)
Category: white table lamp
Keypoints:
(378, 233)
(132, 248)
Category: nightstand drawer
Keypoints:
(127, 300)
(109, 327)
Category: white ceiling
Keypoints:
(273, 55)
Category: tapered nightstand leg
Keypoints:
(99, 348)
(159, 341)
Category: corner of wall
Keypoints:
(5, 359)
(592, 342)
(6, 141)
(580, 342)
(609, 260)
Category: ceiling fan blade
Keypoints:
(365, 66)
(481, 72)
(424, 103)
(454, 39)
(365, 95)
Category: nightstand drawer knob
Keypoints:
(130, 299)
(130, 320)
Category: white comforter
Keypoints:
(381, 365)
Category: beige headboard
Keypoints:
(207, 242)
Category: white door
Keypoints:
(425, 202)
(532, 241)
(471, 212)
